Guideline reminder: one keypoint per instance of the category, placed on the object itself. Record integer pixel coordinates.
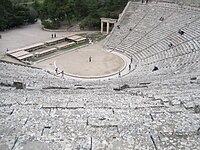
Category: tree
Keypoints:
(13, 15)
(87, 11)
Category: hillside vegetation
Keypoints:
(14, 14)
(55, 13)
(88, 12)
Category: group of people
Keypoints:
(53, 35)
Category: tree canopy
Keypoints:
(14, 14)
(88, 12)
(54, 13)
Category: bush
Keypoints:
(51, 24)
(33, 15)
(90, 23)
(88, 12)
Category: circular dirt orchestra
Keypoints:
(76, 63)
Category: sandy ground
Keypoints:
(77, 62)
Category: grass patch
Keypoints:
(74, 46)
(97, 36)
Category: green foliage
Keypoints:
(13, 15)
(33, 14)
(51, 24)
(88, 12)
(54, 12)
(91, 23)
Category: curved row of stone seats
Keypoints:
(194, 66)
(156, 111)
(180, 50)
(66, 120)
(180, 64)
(163, 43)
(187, 63)
(69, 118)
(174, 87)
(131, 18)
(184, 3)
(33, 77)
(193, 44)
(178, 19)
(176, 40)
